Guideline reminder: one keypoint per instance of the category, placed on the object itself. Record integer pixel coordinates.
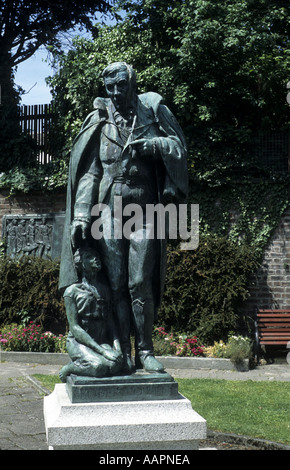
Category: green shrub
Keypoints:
(205, 288)
(203, 292)
(29, 288)
(237, 348)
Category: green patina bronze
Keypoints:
(130, 146)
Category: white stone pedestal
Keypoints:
(134, 425)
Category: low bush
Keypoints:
(237, 348)
(204, 290)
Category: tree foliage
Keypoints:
(26, 25)
(222, 66)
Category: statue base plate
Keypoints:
(127, 425)
(136, 387)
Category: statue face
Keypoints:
(118, 89)
(91, 262)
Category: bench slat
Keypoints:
(273, 327)
(274, 343)
(273, 320)
(265, 310)
(273, 331)
(268, 316)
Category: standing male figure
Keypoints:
(130, 146)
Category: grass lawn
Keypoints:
(47, 381)
(255, 409)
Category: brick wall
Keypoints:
(270, 287)
(32, 203)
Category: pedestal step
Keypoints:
(140, 425)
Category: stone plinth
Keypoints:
(169, 424)
(136, 387)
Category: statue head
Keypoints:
(87, 259)
(120, 84)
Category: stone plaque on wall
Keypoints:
(33, 234)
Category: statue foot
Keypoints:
(128, 364)
(151, 364)
(64, 372)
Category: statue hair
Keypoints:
(120, 67)
(78, 256)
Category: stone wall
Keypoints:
(32, 203)
(270, 287)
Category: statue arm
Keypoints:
(173, 152)
(86, 196)
(88, 187)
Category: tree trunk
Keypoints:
(14, 147)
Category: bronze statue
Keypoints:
(130, 147)
(92, 341)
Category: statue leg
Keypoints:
(83, 368)
(85, 362)
(141, 269)
(122, 309)
(113, 253)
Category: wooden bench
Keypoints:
(272, 328)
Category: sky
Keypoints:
(31, 76)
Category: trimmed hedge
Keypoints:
(205, 288)
(29, 288)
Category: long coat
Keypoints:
(173, 176)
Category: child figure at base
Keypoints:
(92, 342)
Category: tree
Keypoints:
(79, 77)
(234, 65)
(25, 25)
(222, 67)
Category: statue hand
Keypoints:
(113, 355)
(79, 227)
(144, 147)
(168, 196)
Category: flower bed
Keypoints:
(175, 351)
(30, 338)
(180, 345)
